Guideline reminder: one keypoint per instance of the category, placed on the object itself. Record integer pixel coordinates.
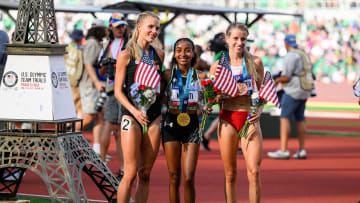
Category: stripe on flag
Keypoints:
(224, 79)
(146, 73)
(268, 90)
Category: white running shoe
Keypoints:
(279, 154)
(301, 154)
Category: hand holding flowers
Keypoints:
(143, 97)
(210, 92)
(256, 103)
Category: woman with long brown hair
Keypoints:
(235, 111)
(139, 149)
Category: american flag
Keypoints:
(268, 90)
(146, 73)
(225, 81)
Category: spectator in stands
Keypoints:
(293, 100)
(139, 149)
(90, 84)
(75, 67)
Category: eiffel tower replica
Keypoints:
(35, 89)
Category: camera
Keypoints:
(100, 101)
(276, 75)
(109, 63)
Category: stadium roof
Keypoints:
(6, 6)
(127, 7)
(177, 9)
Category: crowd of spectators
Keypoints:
(333, 45)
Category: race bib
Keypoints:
(125, 124)
(175, 98)
(193, 97)
(249, 85)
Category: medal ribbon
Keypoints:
(151, 54)
(244, 75)
(184, 95)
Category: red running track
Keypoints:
(330, 174)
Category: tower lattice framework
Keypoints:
(36, 23)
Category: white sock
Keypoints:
(96, 147)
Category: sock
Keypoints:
(96, 147)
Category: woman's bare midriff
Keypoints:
(239, 103)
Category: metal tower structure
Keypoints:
(36, 23)
(51, 148)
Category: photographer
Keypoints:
(117, 43)
(298, 83)
(90, 85)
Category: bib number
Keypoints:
(125, 124)
(175, 98)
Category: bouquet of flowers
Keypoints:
(209, 93)
(256, 102)
(258, 98)
(143, 97)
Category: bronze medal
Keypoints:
(242, 88)
(183, 119)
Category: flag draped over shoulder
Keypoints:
(224, 79)
(146, 73)
(268, 90)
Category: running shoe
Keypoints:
(301, 154)
(279, 154)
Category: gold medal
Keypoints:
(183, 119)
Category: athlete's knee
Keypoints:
(129, 176)
(144, 174)
(189, 181)
(253, 175)
(230, 175)
(174, 178)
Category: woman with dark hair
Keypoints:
(91, 85)
(180, 126)
(139, 149)
(234, 113)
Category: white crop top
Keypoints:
(236, 70)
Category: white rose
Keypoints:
(148, 94)
(254, 95)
